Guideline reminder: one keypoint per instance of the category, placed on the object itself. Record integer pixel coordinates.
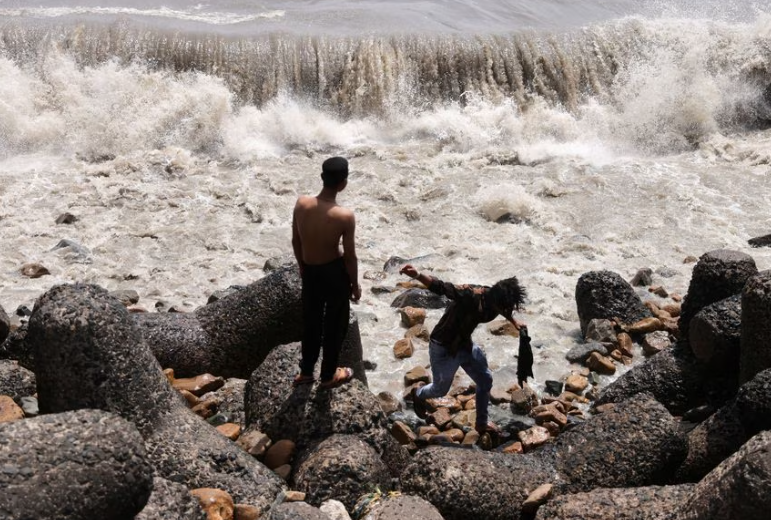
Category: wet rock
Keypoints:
(16, 381)
(601, 331)
(580, 353)
(412, 316)
(420, 298)
(737, 488)
(636, 443)
(715, 336)
(606, 295)
(34, 270)
(171, 501)
(341, 467)
(716, 276)
(643, 277)
(654, 342)
(756, 326)
(127, 297)
(309, 413)
(762, 241)
(90, 354)
(229, 337)
(66, 218)
(492, 485)
(637, 503)
(108, 474)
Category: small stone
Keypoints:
(412, 316)
(537, 498)
(576, 383)
(415, 375)
(533, 437)
(440, 418)
(294, 496)
(513, 448)
(554, 387)
(471, 438)
(206, 409)
(389, 402)
(254, 442)
(419, 331)
(498, 396)
(601, 364)
(230, 430)
(403, 348)
(199, 385)
(645, 325)
(66, 218)
(34, 270)
(217, 504)
(30, 406)
(9, 410)
(402, 433)
(642, 278)
(279, 454)
(655, 342)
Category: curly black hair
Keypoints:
(508, 293)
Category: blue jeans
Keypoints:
(443, 367)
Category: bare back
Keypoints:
(320, 225)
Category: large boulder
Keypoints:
(76, 465)
(15, 348)
(636, 443)
(341, 467)
(171, 501)
(725, 431)
(90, 354)
(715, 336)
(231, 336)
(15, 380)
(308, 414)
(469, 483)
(717, 275)
(740, 487)
(606, 295)
(672, 376)
(637, 503)
(756, 326)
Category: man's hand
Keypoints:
(355, 292)
(409, 271)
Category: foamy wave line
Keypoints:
(214, 18)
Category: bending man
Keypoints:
(451, 345)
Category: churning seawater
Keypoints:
(615, 135)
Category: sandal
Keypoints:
(300, 380)
(490, 427)
(342, 376)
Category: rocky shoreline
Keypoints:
(121, 414)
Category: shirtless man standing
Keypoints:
(329, 276)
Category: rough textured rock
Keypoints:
(91, 355)
(724, 432)
(309, 413)
(402, 507)
(231, 336)
(634, 444)
(756, 326)
(716, 276)
(296, 511)
(672, 376)
(462, 482)
(711, 442)
(420, 298)
(639, 503)
(740, 487)
(341, 467)
(5, 324)
(16, 381)
(606, 295)
(171, 501)
(91, 464)
(715, 336)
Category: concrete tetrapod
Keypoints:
(91, 355)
